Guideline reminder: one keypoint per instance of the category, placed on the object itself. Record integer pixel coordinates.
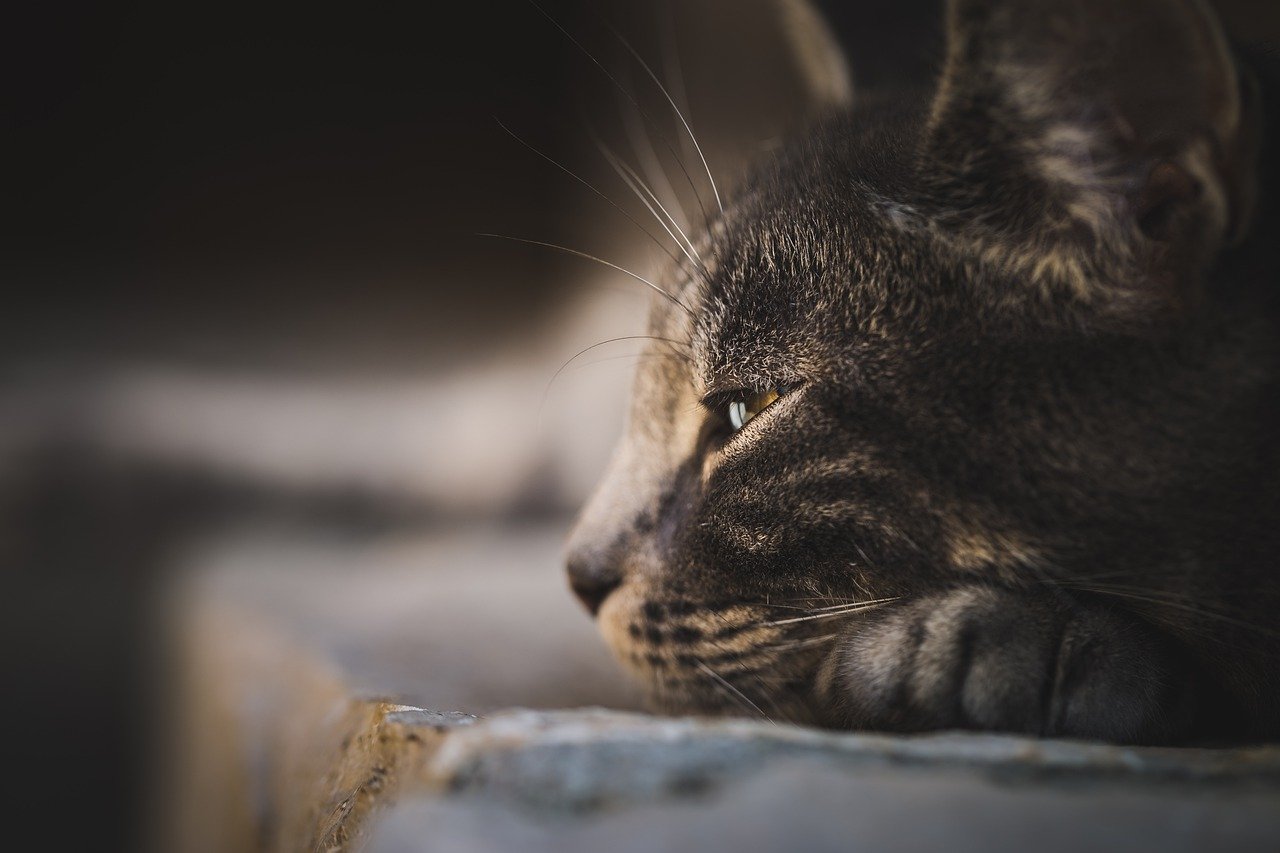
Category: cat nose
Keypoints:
(592, 579)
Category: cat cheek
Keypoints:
(710, 462)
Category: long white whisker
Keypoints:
(635, 355)
(641, 190)
(674, 72)
(868, 605)
(854, 604)
(733, 690)
(627, 94)
(590, 186)
(693, 137)
(642, 147)
(546, 392)
(795, 645)
(674, 223)
(589, 257)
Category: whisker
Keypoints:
(620, 338)
(591, 187)
(774, 604)
(672, 69)
(693, 137)
(845, 611)
(641, 190)
(1119, 575)
(733, 691)
(795, 645)
(642, 147)
(749, 665)
(666, 212)
(843, 606)
(546, 392)
(636, 355)
(1174, 603)
(627, 94)
(664, 293)
(1153, 594)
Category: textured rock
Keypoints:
(478, 618)
(590, 758)
(598, 780)
(292, 656)
(797, 805)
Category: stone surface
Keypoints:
(288, 650)
(790, 806)
(478, 617)
(592, 758)
(599, 780)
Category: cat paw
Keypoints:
(1001, 660)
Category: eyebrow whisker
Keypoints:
(587, 256)
(663, 89)
(590, 186)
(641, 190)
(632, 99)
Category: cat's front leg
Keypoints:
(1001, 660)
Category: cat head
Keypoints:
(948, 417)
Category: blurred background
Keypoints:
(258, 368)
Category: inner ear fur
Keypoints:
(1095, 144)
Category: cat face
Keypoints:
(956, 417)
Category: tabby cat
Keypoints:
(965, 411)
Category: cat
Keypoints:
(964, 411)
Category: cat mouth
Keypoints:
(715, 657)
(654, 634)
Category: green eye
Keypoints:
(743, 410)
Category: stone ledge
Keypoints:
(591, 780)
(576, 759)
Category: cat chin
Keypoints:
(712, 658)
(617, 613)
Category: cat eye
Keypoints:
(743, 409)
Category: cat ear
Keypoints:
(1094, 144)
(817, 54)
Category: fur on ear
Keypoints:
(1092, 145)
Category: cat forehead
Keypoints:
(828, 253)
(800, 277)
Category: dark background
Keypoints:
(254, 186)
(202, 178)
